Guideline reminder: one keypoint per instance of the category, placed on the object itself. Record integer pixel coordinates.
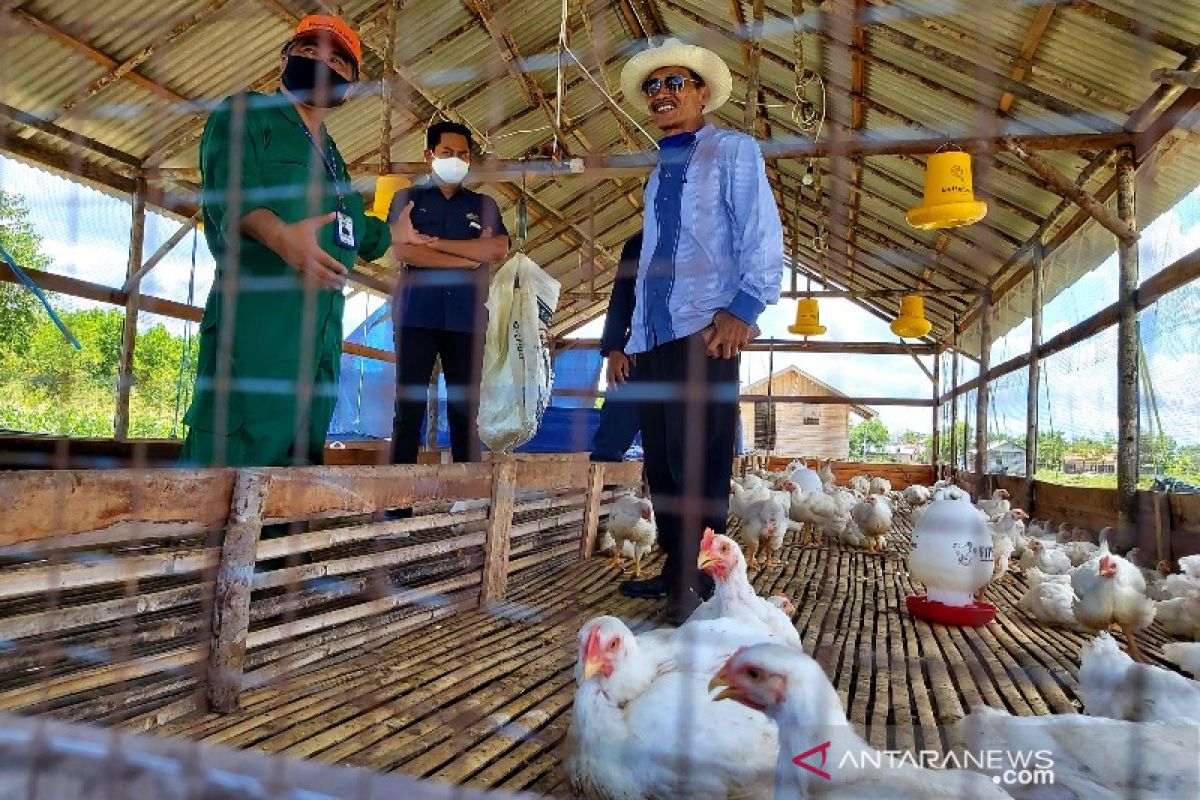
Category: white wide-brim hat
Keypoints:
(674, 53)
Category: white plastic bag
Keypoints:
(517, 369)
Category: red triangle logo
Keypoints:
(823, 749)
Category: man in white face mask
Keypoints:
(438, 309)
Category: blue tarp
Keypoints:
(368, 390)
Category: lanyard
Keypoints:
(330, 169)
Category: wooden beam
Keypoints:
(820, 293)
(954, 373)
(981, 396)
(497, 543)
(1128, 433)
(1033, 38)
(129, 325)
(1070, 190)
(591, 510)
(810, 346)
(935, 439)
(231, 602)
(91, 53)
(134, 280)
(1035, 372)
(69, 137)
(119, 71)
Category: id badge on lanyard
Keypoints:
(343, 235)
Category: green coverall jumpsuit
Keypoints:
(270, 350)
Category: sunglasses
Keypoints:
(674, 84)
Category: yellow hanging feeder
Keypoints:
(386, 187)
(949, 200)
(911, 324)
(808, 318)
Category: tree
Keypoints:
(19, 309)
(869, 436)
(1052, 446)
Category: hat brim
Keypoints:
(673, 53)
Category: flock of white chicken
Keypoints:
(723, 705)
(764, 506)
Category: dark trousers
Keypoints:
(688, 428)
(417, 349)
(619, 422)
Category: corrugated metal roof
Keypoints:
(928, 69)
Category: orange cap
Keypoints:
(338, 31)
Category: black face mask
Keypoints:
(313, 81)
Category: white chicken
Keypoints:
(1049, 598)
(1180, 616)
(733, 595)
(783, 603)
(764, 524)
(1185, 655)
(631, 519)
(817, 512)
(1112, 685)
(792, 689)
(879, 486)
(996, 506)
(1110, 591)
(1097, 759)
(1049, 558)
(916, 495)
(873, 516)
(860, 485)
(743, 496)
(608, 546)
(625, 741)
(825, 473)
(1004, 533)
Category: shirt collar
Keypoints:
(682, 139)
(288, 109)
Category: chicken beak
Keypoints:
(728, 690)
(592, 666)
(706, 560)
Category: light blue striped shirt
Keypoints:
(729, 252)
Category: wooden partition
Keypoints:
(132, 593)
(901, 476)
(1168, 524)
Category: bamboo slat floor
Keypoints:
(483, 698)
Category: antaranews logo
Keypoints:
(1007, 767)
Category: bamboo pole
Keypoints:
(498, 540)
(1176, 77)
(981, 396)
(231, 611)
(935, 451)
(129, 326)
(1127, 350)
(954, 372)
(1035, 371)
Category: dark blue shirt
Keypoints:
(619, 318)
(435, 297)
(674, 153)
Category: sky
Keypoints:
(86, 232)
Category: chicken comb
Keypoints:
(709, 535)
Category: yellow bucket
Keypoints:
(911, 324)
(386, 187)
(949, 200)
(808, 318)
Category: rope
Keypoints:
(28, 283)
(187, 337)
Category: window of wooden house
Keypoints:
(812, 415)
(764, 426)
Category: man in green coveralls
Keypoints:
(284, 227)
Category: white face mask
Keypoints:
(450, 170)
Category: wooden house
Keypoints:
(816, 429)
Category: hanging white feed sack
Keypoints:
(518, 373)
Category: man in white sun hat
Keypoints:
(711, 261)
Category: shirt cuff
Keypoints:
(746, 307)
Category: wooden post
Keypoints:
(1127, 350)
(432, 408)
(1035, 371)
(129, 328)
(981, 395)
(235, 576)
(954, 366)
(496, 545)
(591, 509)
(935, 443)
